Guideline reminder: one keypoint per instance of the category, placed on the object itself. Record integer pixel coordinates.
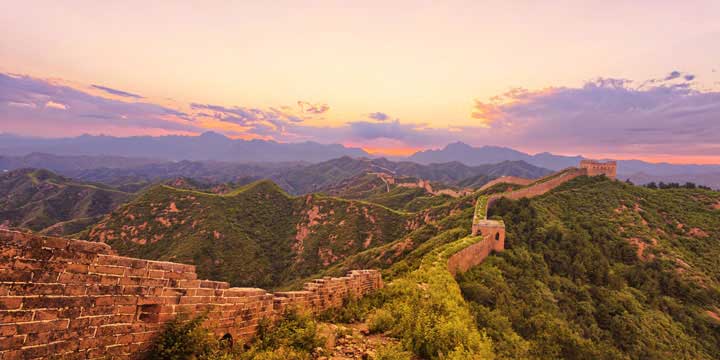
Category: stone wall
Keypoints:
(594, 168)
(78, 299)
(493, 233)
(509, 180)
(540, 187)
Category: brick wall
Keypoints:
(594, 168)
(509, 180)
(493, 233)
(539, 188)
(78, 299)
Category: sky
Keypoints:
(620, 79)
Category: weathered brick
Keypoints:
(42, 326)
(12, 275)
(11, 342)
(88, 303)
(109, 270)
(13, 316)
(10, 303)
(114, 260)
(77, 268)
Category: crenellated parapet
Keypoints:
(78, 299)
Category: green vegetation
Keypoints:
(372, 188)
(425, 310)
(42, 201)
(293, 337)
(257, 235)
(574, 284)
(392, 352)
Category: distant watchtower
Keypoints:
(593, 168)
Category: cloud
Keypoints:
(22, 104)
(609, 116)
(309, 108)
(117, 92)
(379, 116)
(30, 106)
(55, 105)
(673, 75)
(602, 116)
(264, 122)
(389, 130)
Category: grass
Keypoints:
(426, 311)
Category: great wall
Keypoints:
(80, 300)
(493, 231)
(77, 299)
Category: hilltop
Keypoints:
(603, 269)
(256, 235)
(45, 202)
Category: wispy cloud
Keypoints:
(611, 115)
(40, 107)
(379, 116)
(117, 92)
(310, 108)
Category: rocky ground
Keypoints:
(353, 341)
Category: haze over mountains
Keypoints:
(208, 146)
(135, 152)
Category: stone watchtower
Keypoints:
(593, 168)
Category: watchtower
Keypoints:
(594, 168)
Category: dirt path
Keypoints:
(351, 341)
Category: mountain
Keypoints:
(470, 155)
(45, 202)
(70, 164)
(594, 269)
(132, 174)
(605, 270)
(257, 235)
(208, 146)
(404, 193)
(467, 154)
(316, 177)
(215, 172)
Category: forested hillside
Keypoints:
(257, 235)
(599, 269)
(42, 201)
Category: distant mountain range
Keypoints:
(132, 152)
(129, 174)
(208, 146)
(703, 174)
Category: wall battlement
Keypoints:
(78, 299)
(594, 168)
(493, 232)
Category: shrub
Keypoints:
(426, 311)
(295, 330)
(392, 352)
(293, 337)
(351, 311)
(380, 321)
(184, 339)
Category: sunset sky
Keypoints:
(622, 79)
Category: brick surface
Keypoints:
(78, 300)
